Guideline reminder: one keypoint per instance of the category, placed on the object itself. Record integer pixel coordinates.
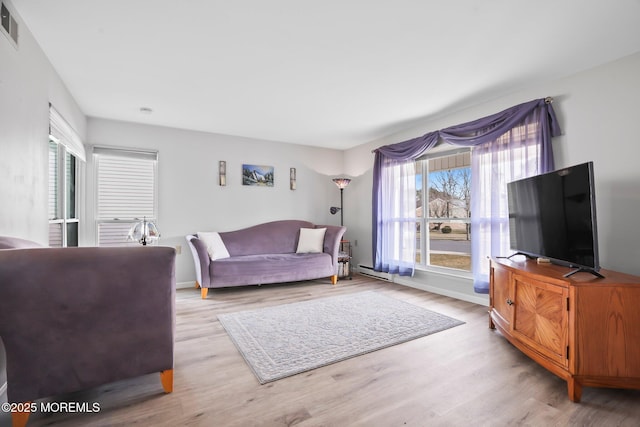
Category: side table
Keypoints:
(344, 260)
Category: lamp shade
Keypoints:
(341, 182)
(144, 232)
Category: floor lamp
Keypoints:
(342, 184)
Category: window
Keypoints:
(126, 192)
(63, 176)
(66, 155)
(443, 211)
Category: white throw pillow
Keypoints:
(311, 240)
(215, 245)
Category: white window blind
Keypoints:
(53, 181)
(61, 132)
(126, 192)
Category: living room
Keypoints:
(593, 102)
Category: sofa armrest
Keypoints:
(75, 318)
(203, 259)
(332, 238)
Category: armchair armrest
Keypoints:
(75, 318)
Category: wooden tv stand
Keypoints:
(584, 329)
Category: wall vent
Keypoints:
(9, 24)
(369, 271)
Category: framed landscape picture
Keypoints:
(257, 175)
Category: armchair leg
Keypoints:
(166, 378)
(334, 279)
(19, 419)
(197, 285)
(203, 292)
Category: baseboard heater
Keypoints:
(367, 270)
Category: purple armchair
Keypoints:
(76, 318)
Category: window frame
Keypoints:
(69, 143)
(61, 215)
(422, 168)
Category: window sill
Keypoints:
(444, 281)
(445, 271)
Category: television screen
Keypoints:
(553, 215)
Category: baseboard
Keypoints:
(185, 285)
(366, 270)
(480, 300)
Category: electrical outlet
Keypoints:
(178, 249)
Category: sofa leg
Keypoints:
(334, 279)
(166, 378)
(19, 419)
(203, 292)
(197, 285)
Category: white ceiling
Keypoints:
(331, 73)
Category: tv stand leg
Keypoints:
(514, 254)
(584, 270)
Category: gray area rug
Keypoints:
(287, 339)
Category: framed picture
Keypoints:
(257, 175)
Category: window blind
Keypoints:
(126, 192)
(62, 132)
(53, 181)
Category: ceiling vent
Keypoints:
(9, 24)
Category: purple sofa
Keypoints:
(266, 253)
(76, 318)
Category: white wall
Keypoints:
(28, 83)
(597, 110)
(190, 198)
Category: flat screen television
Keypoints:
(553, 216)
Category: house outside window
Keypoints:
(126, 182)
(443, 211)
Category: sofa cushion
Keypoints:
(270, 268)
(215, 245)
(311, 240)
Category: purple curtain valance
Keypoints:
(410, 149)
(490, 128)
(475, 132)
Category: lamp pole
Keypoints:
(341, 210)
(341, 183)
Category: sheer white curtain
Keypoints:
(515, 155)
(398, 214)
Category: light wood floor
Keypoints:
(464, 376)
